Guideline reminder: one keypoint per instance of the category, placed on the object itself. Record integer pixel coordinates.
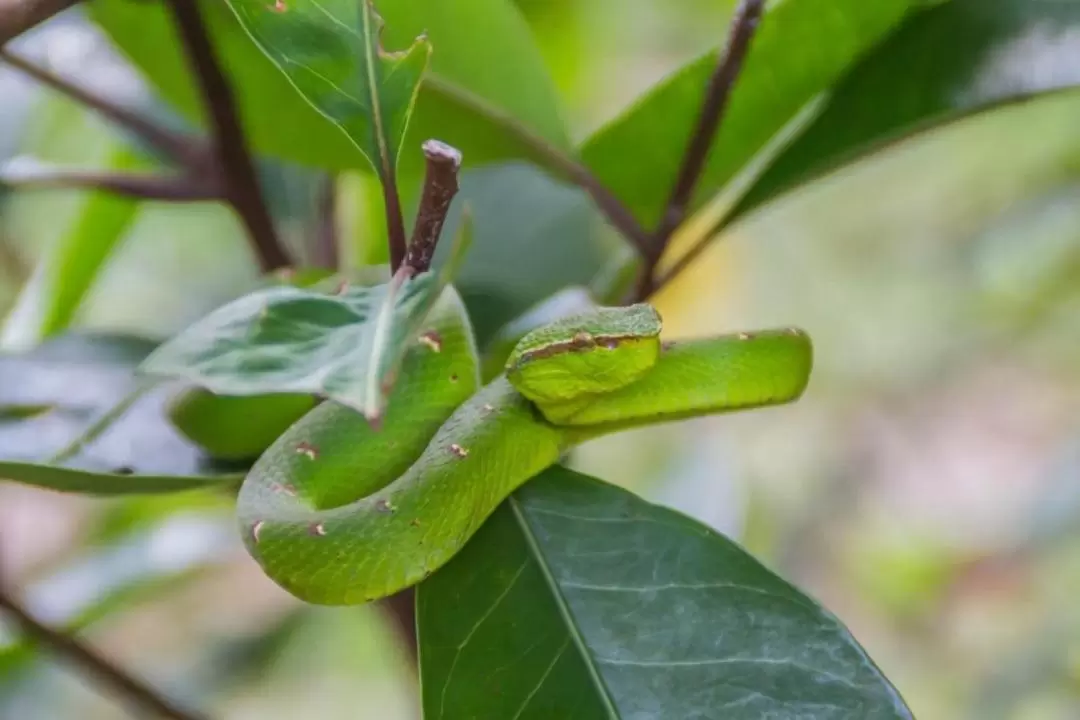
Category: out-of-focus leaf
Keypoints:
(485, 59)
(102, 581)
(330, 51)
(634, 611)
(345, 343)
(532, 236)
(948, 59)
(78, 229)
(802, 48)
(74, 417)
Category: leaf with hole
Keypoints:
(578, 600)
(487, 82)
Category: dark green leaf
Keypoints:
(952, 58)
(802, 49)
(93, 427)
(345, 343)
(462, 102)
(329, 50)
(578, 600)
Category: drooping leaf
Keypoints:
(802, 48)
(74, 417)
(345, 343)
(462, 101)
(330, 51)
(949, 59)
(579, 600)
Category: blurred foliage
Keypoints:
(925, 489)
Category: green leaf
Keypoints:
(73, 417)
(802, 48)
(80, 229)
(578, 600)
(949, 59)
(462, 101)
(329, 50)
(345, 343)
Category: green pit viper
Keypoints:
(340, 512)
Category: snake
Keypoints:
(340, 511)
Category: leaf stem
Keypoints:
(713, 109)
(395, 221)
(187, 151)
(142, 698)
(241, 183)
(440, 187)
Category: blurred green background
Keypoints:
(926, 489)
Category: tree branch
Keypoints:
(401, 607)
(440, 187)
(240, 181)
(187, 151)
(743, 28)
(18, 16)
(165, 188)
(142, 698)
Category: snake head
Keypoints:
(587, 354)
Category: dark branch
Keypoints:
(142, 698)
(188, 152)
(440, 187)
(18, 16)
(613, 209)
(744, 26)
(401, 608)
(240, 180)
(163, 188)
(326, 230)
(395, 222)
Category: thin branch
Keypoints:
(241, 182)
(325, 251)
(744, 26)
(617, 213)
(188, 152)
(165, 188)
(713, 108)
(401, 608)
(440, 187)
(19, 16)
(395, 221)
(142, 698)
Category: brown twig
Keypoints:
(19, 16)
(142, 698)
(163, 188)
(325, 251)
(440, 187)
(189, 152)
(743, 28)
(395, 221)
(241, 183)
(617, 213)
(401, 607)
